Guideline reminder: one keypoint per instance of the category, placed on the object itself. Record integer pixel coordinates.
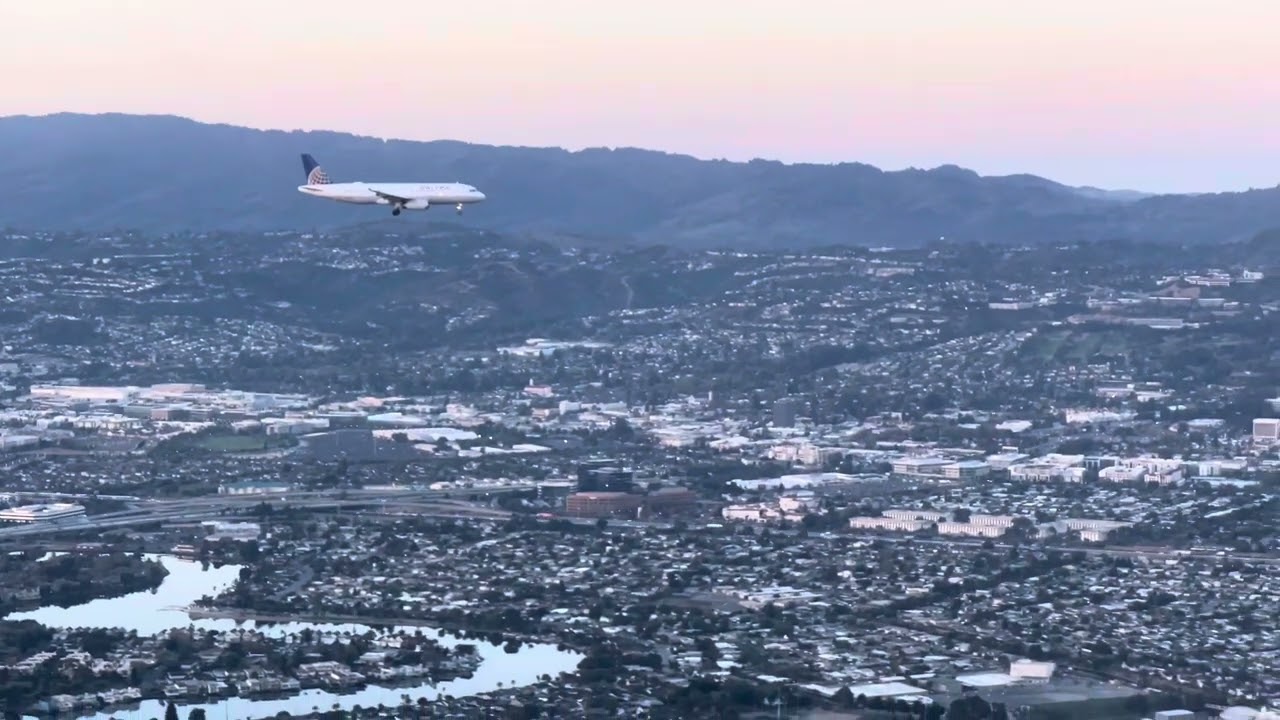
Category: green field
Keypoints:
(236, 443)
(1078, 346)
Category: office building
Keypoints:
(603, 504)
(1266, 430)
(605, 476)
(41, 513)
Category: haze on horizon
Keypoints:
(1155, 95)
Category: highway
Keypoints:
(60, 497)
(445, 504)
(421, 503)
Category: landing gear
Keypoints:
(459, 208)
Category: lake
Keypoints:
(156, 611)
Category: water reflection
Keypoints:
(153, 612)
(149, 611)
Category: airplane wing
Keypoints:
(389, 197)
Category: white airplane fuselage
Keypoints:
(417, 196)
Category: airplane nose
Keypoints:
(479, 195)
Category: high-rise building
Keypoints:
(1266, 430)
(605, 476)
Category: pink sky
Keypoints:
(1172, 95)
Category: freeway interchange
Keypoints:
(446, 504)
(424, 503)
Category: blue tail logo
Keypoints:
(315, 174)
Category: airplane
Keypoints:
(400, 196)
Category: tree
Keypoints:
(249, 551)
(196, 714)
(602, 523)
(171, 711)
(621, 430)
(98, 642)
(843, 697)
(970, 707)
(1137, 704)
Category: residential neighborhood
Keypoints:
(934, 483)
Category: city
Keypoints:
(450, 474)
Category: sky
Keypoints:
(1157, 95)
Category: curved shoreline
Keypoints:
(151, 612)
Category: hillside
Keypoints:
(161, 173)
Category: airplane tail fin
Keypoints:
(315, 174)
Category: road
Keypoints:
(426, 503)
(305, 575)
(60, 497)
(445, 504)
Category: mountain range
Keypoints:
(163, 173)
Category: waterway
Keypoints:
(156, 611)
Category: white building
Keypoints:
(1092, 531)
(1004, 461)
(1030, 670)
(1001, 521)
(1088, 417)
(240, 532)
(1144, 469)
(970, 530)
(796, 481)
(251, 487)
(18, 442)
(294, 426)
(798, 502)
(1219, 466)
(749, 513)
(920, 466)
(1088, 524)
(1050, 468)
(930, 515)
(966, 470)
(536, 347)
(780, 595)
(1037, 472)
(1212, 279)
(805, 453)
(888, 523)
(41, 513)
(83, 393)
(1266, 430)
(815, 456)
